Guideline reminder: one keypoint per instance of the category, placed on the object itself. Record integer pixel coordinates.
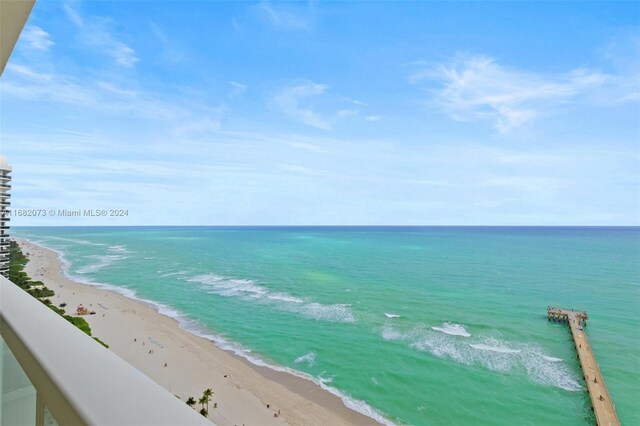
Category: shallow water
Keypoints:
(427, 325)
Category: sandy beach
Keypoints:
(186, 364)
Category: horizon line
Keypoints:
(325, 226)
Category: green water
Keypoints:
(315, 299)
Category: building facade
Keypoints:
(5, 187)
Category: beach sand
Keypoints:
(242, 390)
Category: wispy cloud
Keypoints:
(197, 128)
(478, 88)
(281, 18)
(308, 147)
(37, 38)
(94, 32)
(295, 101)
(527, 185)
(373, 118)
(236, 89)
(289, 102)
(28, 83)
(23, 71)
(169, 49)
(624, 53)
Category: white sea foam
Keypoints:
(389, 333)
(102, 261)
(488, 352)
(229, 287)
(391, 315)
(285, 298)
(250, 290)
(499, 349)
(318, 311)
(359, 406)
(452, 329)
(308, 358)
(73, 240)
(99, 261)
(165, 274)
(551, 358)
(66, 266)
(325, 380)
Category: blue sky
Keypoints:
(326, 113)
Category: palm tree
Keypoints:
(203, 400)
(204, 412)
(208, 393)
(191, 402)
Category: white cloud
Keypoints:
(123, 54)
(307, 147)
(280, 18)
(27, 83)
(37, 38)
(292, 168)
(26, 72)
(74, 16)
(191, 129)
(478, 88)
(169, 50)
(289, 102)
(526, 184)
(236, 89)
(93, 31)
(624, 53)
(327, 112)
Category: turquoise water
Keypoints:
(426, 326)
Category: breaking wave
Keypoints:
(309, 358)
(496, 348)
(452, 329)
(389, 333)
(166, 274)
(391, 315)
(72, 240)
(250, 290)
(102, 261)
(551, 358)
(488, 352)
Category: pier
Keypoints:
(601, 402)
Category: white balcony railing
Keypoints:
(52, 372)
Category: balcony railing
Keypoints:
(51, 372)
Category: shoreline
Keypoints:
(186, 363)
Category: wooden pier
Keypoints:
(601, 402)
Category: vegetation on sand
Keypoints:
(203, 401)
(37, 289)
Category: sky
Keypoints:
(325, 113)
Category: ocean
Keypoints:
(411, 325)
